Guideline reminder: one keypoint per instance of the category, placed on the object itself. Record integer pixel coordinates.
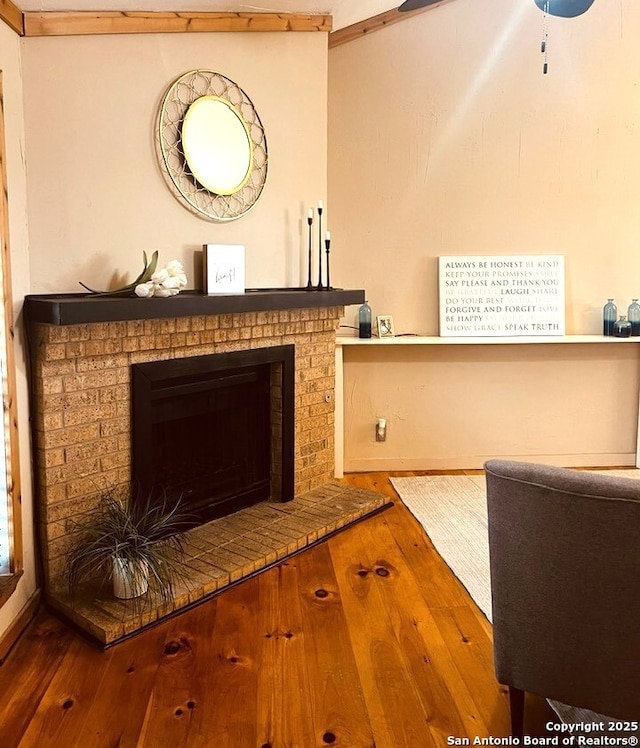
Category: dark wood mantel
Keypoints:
(76, 309)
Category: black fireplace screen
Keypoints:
(215, 432)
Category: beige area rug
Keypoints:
(452, 510)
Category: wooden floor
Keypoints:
(364, 640)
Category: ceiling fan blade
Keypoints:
(565, 8)
(415, 4)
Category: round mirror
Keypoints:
(212, 149)
(216, 145)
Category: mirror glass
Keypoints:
(216, 145)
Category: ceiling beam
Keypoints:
(120, 22)
(11, 15)
(375, 23)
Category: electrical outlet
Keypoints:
(381, 430)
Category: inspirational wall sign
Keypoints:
(501, 295)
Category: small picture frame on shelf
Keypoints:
(223, 268)
(384, 325)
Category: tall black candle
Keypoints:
(319, 286)
(309, 222)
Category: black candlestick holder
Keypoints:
(327, 244)
(309, 222)
(319, 286)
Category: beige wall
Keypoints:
(14, 142)
(96, 196)
(446, 138)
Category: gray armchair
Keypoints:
(565, 581)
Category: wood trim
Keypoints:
(13, 480)
(12, 634)
(120, 22)
(12, 16)
(375, 23)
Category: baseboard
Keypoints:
(12, 634)
(475, 462)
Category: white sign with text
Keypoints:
(501, 295)
(223, 268)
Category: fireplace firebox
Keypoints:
(215, 433)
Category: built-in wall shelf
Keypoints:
(505, 340)
(395, 344)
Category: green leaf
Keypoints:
(147, 271)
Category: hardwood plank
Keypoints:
(284, 693)
(473, 655)
(340, 712)
(438, 583)
(11, 15)
(27, 673)
(229, 720)
(66, 703)
(411, 538)
(71, 23)
(375, 23)
(373, 482)
(478, 674)
(205, 692)
(414, 704)
(182, 692)
(128, 681)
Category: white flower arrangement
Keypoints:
(151, 282)
(164, 282)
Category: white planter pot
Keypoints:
(130, 578)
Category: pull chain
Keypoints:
(545, 36)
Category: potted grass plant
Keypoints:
(136, 544)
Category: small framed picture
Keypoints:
(385, 327)
(223, 269)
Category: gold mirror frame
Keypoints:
(185, 178)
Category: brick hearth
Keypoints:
(221, 553)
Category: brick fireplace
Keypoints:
(82, 350)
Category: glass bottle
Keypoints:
(364, 321)
(633, 315)
(622, 328)
(609, 316)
